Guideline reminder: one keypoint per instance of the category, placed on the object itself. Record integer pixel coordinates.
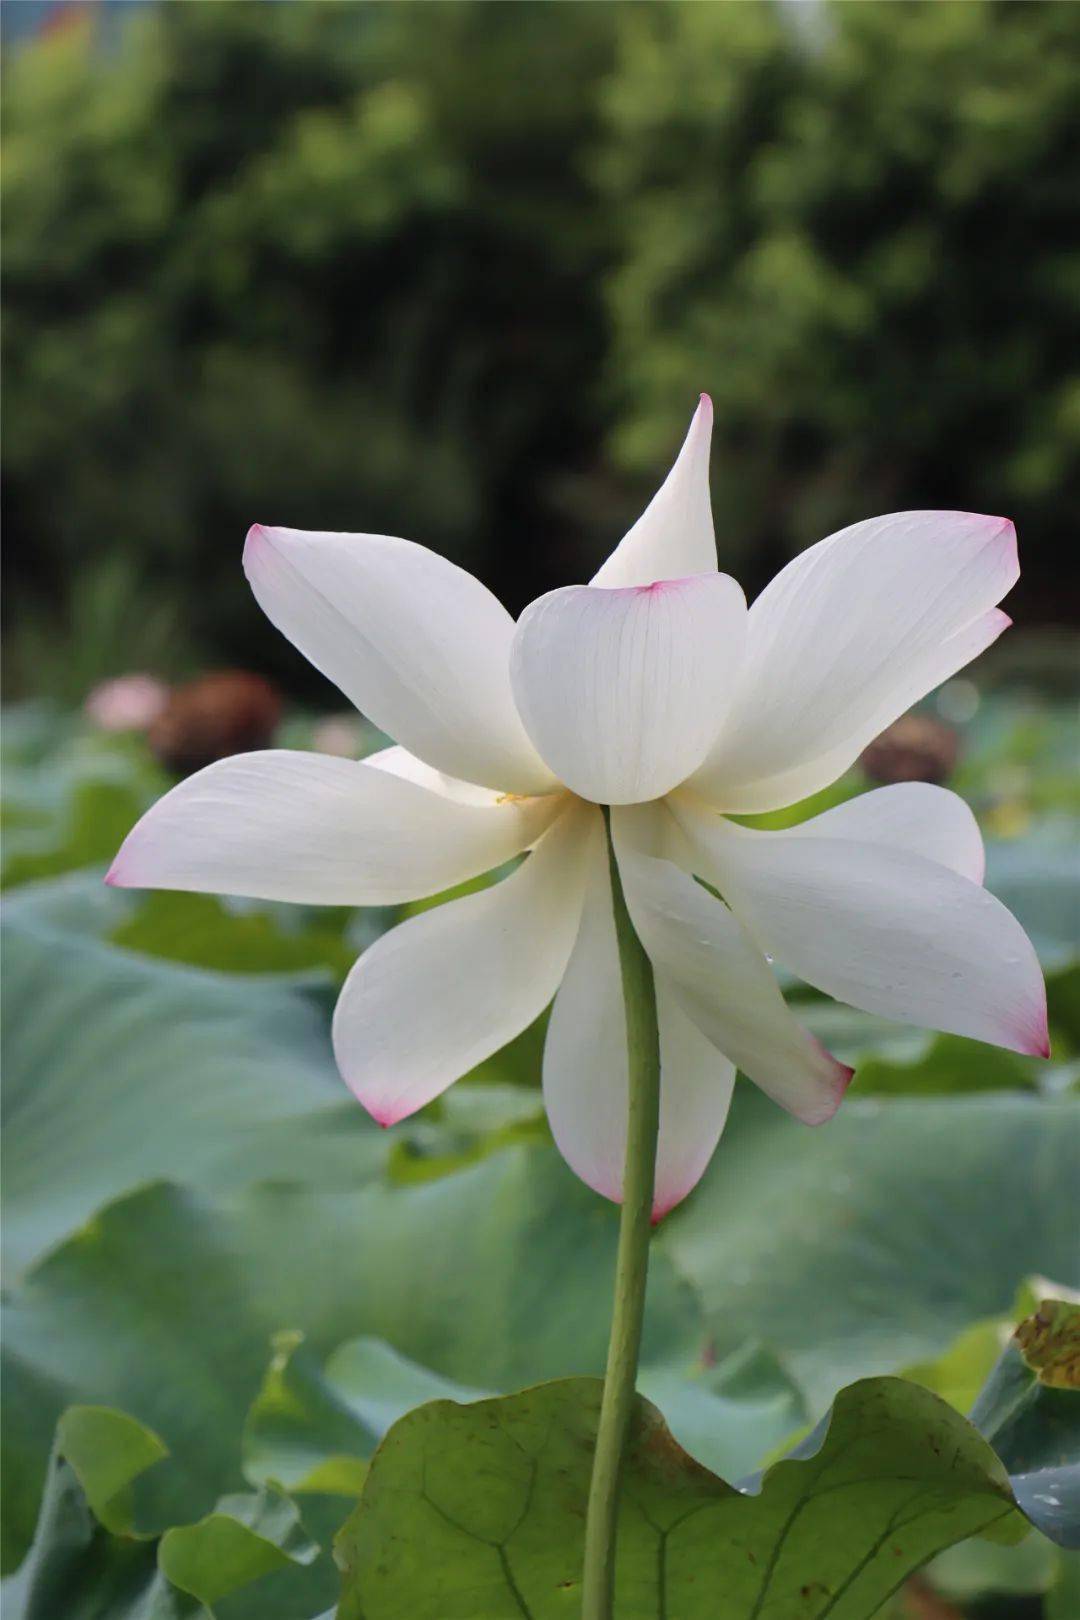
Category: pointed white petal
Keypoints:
(319, 830)
(673, 537)
(441, 992)
(720, 978)
(585, 1068)
(847, 637)
(882, 928)
(418, 644)
(696, 1084)
(913, 816)
(622, 691)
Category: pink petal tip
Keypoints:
(845, 1074)
(1036, 1030)
(381, 1115)
(842, 1075)
(255, 539)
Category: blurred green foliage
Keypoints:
(457, 271)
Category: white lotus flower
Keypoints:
(652, 690)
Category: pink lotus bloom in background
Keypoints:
(654, 690)
(126, 703)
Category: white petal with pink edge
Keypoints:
(673, 537)
(585, 1068)
(847, 637)
(318, 830)
(622, 690)
(914, 816)
(416, 643)
(444, 990)
(877, 926)
(719, 976)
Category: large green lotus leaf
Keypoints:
(890, 1059)
(307, 1432)
(871, 1242)
(230, 935)
(149, 1311)
(858, 1248)
(119, 1069)
(476, 1512)
(237, 936)
(209, 1077)
(93, 1554)
(310, 1428)
(70, 903)
(70, 796)
(165, 1304)
(87, 830)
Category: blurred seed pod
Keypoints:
(915, 748)
(225, 712)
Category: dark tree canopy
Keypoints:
(459, 271)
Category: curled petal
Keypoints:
(622, 690)
(444, 990)
(719, 977)
(875, 925)
(319, 830)
(416, 643)
(847, 637)
(585, 1068)
(673, 537)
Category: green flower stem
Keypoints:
(632, 1263)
